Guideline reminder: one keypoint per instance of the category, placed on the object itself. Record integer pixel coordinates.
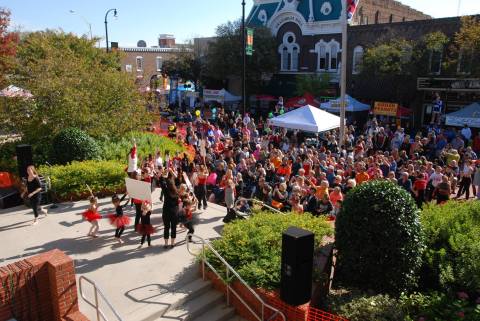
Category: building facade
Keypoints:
(308, 33)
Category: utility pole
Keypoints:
(343, 78)
(459, 7)
(244, 59)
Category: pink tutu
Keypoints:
(91, 216)
(119, 221)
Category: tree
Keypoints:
(311, 84)
(224, 58)
(186, 66)
(467, 45)
(74, 85)
(8, 46)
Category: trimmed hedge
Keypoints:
(69, 181)
(253, 247)
(73, 144)
(378, 237)
(453, 239)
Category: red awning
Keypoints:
(403, 111)
(306, 99)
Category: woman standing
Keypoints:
(33, 189)
(202, 186)
(170, 209)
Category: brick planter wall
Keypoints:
(42, 287)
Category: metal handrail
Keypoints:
(254, 200)
(95, 305)
(229, 269)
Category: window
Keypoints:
(327, 55)
(159, 63)
(377, 17)
(139, 63)
(289, 51)
(404, 19)
(464, 62)
(128, 68)
(391, 18)
(357, 60)
(365, 20)
(436, 62)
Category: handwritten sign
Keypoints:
(385, 109)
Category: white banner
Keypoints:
(139, 189)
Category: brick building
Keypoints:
(385, 11)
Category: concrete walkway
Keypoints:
(129, 276)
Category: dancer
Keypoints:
(118, 219)
(170, 208)
(92, 216)
(145, 228)
(33, 189)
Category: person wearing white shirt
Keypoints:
(466, 133)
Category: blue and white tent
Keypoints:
(469, 115)
(353, 105)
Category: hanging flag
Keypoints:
(351, 8)
(249, 48)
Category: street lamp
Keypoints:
(106, 23)
(244, 59)
(84, 20)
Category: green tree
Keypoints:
(312, 84)
(467, 45)
(185, 66)
(74, 85)
(224, 58)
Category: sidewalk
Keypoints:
(129, 276)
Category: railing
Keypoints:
(230, 289)
(100, 314)
(253, 200)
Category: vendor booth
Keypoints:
(308, 119)
(222, 97)
(352, 105)
(469, 115)
(297, 102)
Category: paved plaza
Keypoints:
(132, 278)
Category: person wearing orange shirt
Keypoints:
(284, 169)
(362, 176)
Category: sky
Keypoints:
(146, 19)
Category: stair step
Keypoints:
(156, 306)
(219, 313)
(195, 307)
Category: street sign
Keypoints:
(249, 48)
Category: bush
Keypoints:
(69, 181)
(147, 143)
(378, 237)
(73, 144)
(453, 245)
(368, 308)
(253, 247)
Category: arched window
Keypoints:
(139, 61)
(322, 56)
(377, 17)
(327, 55)
(357, 60)
(290, 52)
(391, 18)
(334, 50)
(404, 19)
(436, 61)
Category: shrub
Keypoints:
(253, 247)
(368, 308)
(147, 143)
(69, 181)
(378, 237)
(73, 144)
(453, 245)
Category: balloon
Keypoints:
(270, 115)
(171, 128)
(197, 113)
(214, 110)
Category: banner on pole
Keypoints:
(351, 8)
(249, 48)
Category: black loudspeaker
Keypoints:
(24, 159)
(9, 197)
(297, 266)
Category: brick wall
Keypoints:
(387, 11)
(41, 287)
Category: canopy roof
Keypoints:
(469, 115)
(306, 99)
(353, 105)
(307, 118)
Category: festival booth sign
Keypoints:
(308, 119)
(306, 99)
(352, 105)
(385, 109)
(469, 115)
(214, 95)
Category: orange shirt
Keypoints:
(362, 177)
(321, 192)
(284, 170)
(276, 162)
(335, 197)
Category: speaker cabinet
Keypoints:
(24, 159)
(297, 266)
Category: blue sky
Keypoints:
(145, 19)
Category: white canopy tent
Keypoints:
(307, 118)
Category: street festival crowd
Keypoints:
(239, 158)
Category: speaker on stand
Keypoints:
(24, 159)
(297, 266)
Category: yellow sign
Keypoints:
(385, 109)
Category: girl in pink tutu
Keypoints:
(118, 220)
(92, 216)
(145, 228)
